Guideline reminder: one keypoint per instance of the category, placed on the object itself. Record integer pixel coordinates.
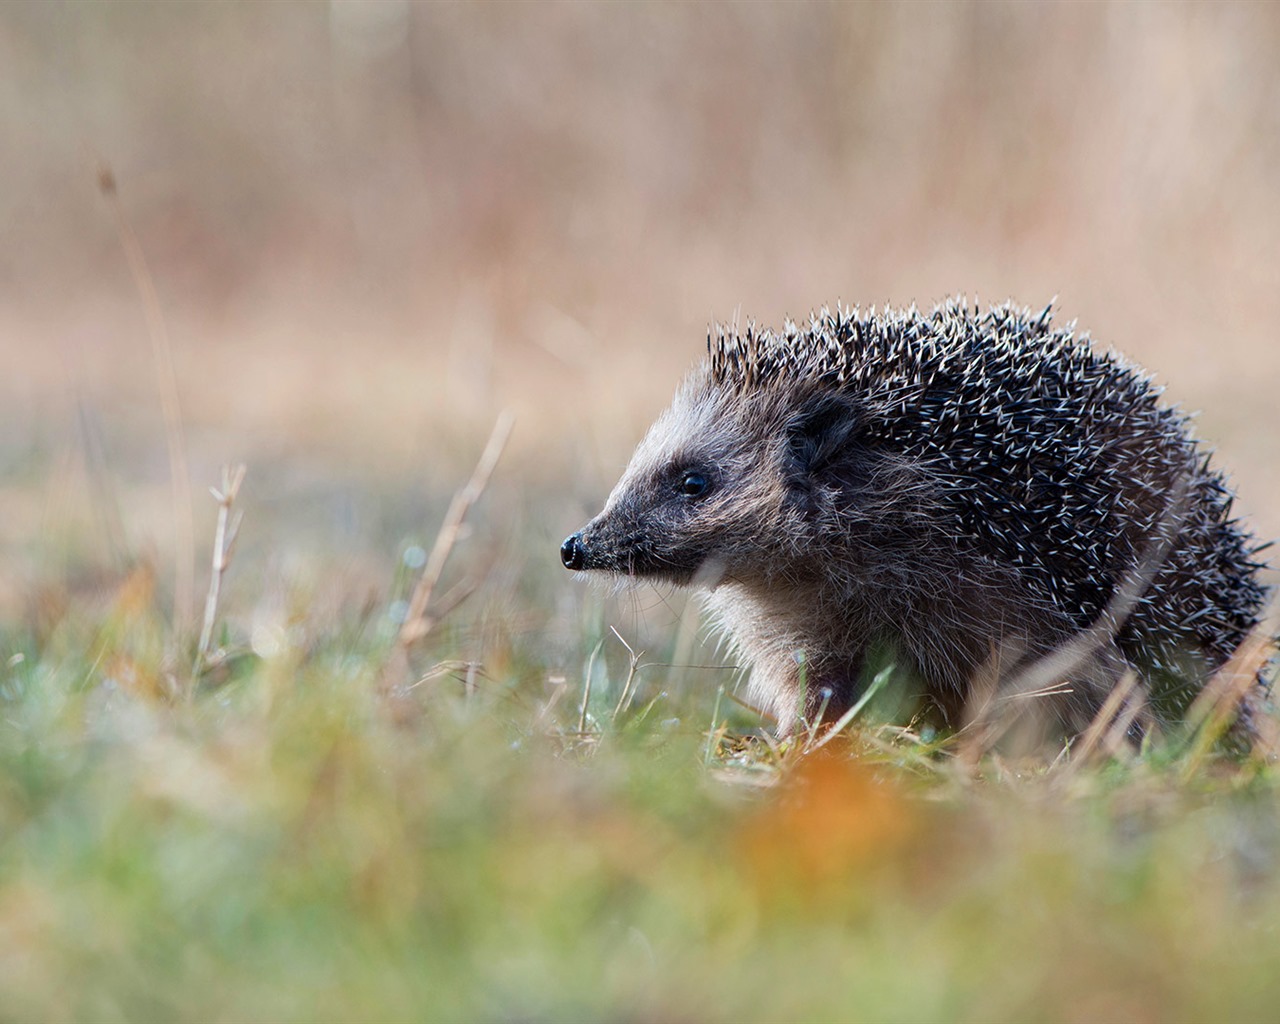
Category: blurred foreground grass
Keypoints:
(324, 825)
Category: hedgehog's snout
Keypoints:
(573, 552)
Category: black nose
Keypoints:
(572, 552)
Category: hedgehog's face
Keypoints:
(708, 493)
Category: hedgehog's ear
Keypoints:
(819, 433)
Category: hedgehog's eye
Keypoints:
(694, 485)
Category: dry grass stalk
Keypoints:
(767, 717)
(586, 689)
(1266, 727)
(877, 684)
(624, 699)
(559, 687)
(443, 668)
(1109, 715)
(224, 541)
(417, 622)
(167, 381)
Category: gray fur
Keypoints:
(960, 492)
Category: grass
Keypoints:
(343, 817)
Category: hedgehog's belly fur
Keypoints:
(811, 657)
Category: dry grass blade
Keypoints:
(167, 381)
(417, 623)
(224, 540)
(1219, 703)
(1106, 717)
(716, 733)
(1119, 741)
(1266, 727)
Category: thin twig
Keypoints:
(167, 381)
(224, 541)
(417, 623)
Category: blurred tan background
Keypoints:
(373, 225)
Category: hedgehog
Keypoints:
(960, 496)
